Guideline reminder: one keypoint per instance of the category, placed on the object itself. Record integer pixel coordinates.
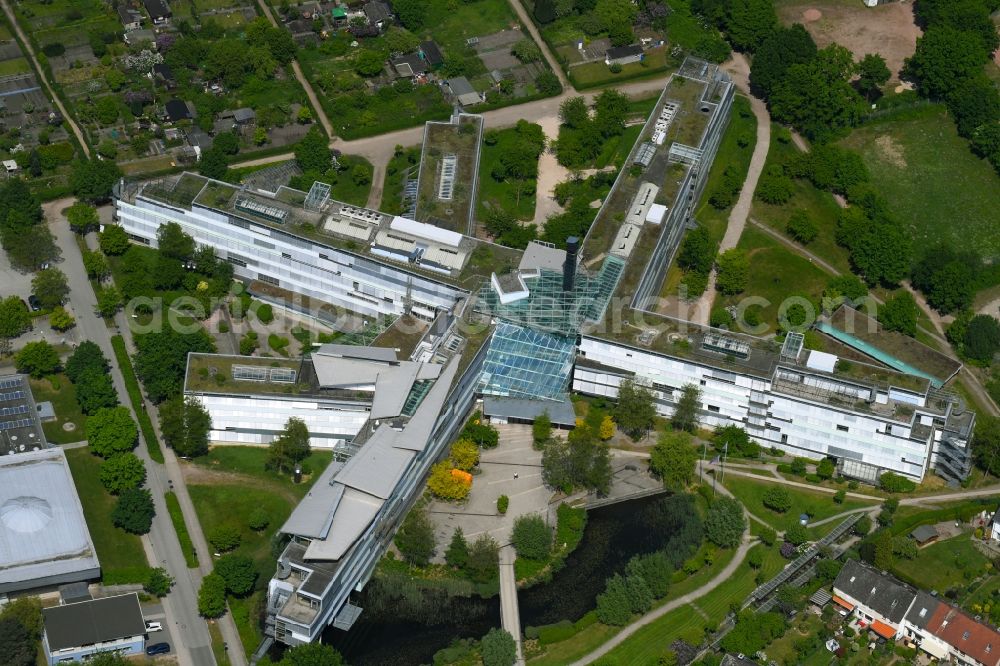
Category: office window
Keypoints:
(842, 428)
(268, 279)
(713, 408)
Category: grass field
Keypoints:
(817, 505)
(776, 273)
(945, 564)
(820, 206)
(346, 188)
(229, 485)
(407, 162)
(67, 409)
(118, 551)
(515, 197)
(177, 518)
(931, 179)
(14, 66)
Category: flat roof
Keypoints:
(96, 621)
(561, 412)
(20, 422)
(43, 534)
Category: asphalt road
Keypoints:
(161, 545)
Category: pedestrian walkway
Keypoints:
(510, 616)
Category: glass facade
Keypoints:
(525, 363)
(549, 308)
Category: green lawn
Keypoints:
(943, 565)
(62, 395)
(177, 518)
(817, 505)
(931, 179)
(820, 206)
(515, 197)
(776, 273)
(346, 188)
(596, 73)
(226, 499)
(406, 162)
(120, 553)
(689, 622)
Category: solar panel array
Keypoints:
(16, 395)
(9, 383)
(725, 345)
(251, 373)
(13, 411)
(20, 423)
(283, 375)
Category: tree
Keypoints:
(777, 499)
(464, 454)
(767, 536)
(227, 142)
(457, 554)
(801, 228)
(37, 359)
(312, 153)
(134, 511)
(531, 537)
(797, 534)
(312, 654)
(607, 428)
(736, 441)
(725, 524)
(547, 83)
(238, 572)
(109, 300)
(673, 460)
(635, 411)
(498, 647)
(224, 538)
(483, 560)
(573, 113)
(258, 520)
(96, 264)
(755, 558)
(872, 74)
(82, 217)
(162, 359)
(900, 313)
(895, 483)
(685, 416)
(863, 526)
(944, 58)
(14, 317)
(777, 52)
(883, 550)
(212, 596)
(825, 468)
(174, 242)
(975, 103)
(545, 11)
(443, 484)
(111, 431)
(982, 338)
(31, 248)
(17, 646)
(415, 538)
(95, 391)
(93, 180)
(185, 424)
(113, 240)
(526, 51)
(50, 286)
(28, 612)
(839, 496)
(749, 22)
(656, 569)
(734, 271)
(158, 582)
(122, 472)
(214, 163)
(369, 63)
(541, 429)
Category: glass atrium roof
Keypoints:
(524, 363)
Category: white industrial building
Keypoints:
(296, 243)
(870, 419)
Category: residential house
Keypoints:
(623, 55)
(159, 12)
(409, 65)
(915, 626)
(76, 632)
(164, 74)
(178, 110)
(431, 53)
(875, 598)
(995, 526)
(130, 18)
(924, 534)
(378, 14)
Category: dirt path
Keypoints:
(310, 93)
(522, 14)
(939, 322)
(792, 245)
(738, 215)
(40, 73)
(550, 174)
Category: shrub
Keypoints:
(224, 539)
(502, 503)
(258, 520)
(896, 483)
(797, 534)
(777, 499)
(134, 511)
(531, 537)
(265, 313)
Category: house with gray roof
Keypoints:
(78, 631)
(463, 92)
(873, 596)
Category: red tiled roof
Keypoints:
(840, 602)
(978, 640)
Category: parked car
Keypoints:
(34, 303)
(153, 626)
(157, 648)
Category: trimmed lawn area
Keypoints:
(820, 206)
(817, 505)
(776, 274)
(346, 188)
(177, 518)
(943, 565)
(227, 486)
(59, 390)
(120, 553)
(932, 180)
(515, 197)
(402, 165)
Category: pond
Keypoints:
(407, 626)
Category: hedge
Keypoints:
(177, 517)
(135, 397)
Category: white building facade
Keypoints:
(788, 407)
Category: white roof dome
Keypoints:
(26, 514)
